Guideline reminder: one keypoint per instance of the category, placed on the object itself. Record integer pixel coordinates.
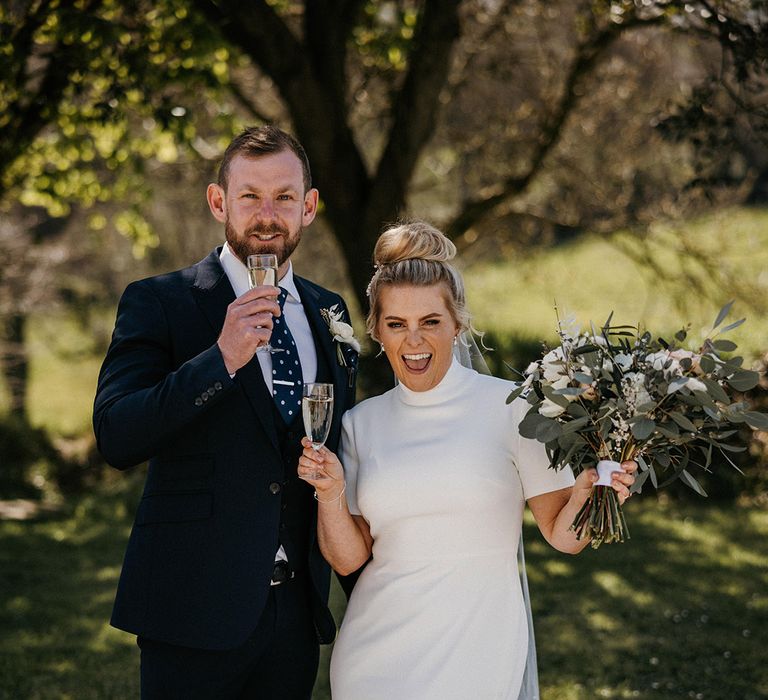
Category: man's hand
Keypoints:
(248, 326)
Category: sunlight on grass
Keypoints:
(596, 275)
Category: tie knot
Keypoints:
(282, 297)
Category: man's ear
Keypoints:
(217, 202)
(310, 207)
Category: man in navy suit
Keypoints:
(223, 581)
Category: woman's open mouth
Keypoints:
(417, 362)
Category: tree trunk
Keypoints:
(15, 363)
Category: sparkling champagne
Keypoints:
(317, 414)
(262, 275)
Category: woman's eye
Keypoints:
(394, 324)
(432, 322)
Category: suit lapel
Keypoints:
(213, 294)
(312, 302)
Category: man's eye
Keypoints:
(285, 198)
(249, 195)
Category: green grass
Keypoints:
(680, 611)
(597, 274)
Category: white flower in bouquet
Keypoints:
(616, 394)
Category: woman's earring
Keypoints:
(381, 352)
(455, 339)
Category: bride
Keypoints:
(434, 481)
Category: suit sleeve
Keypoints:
(142, 401)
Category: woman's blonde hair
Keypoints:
(415, 253)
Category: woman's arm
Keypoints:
(555, 511)
(345, 539)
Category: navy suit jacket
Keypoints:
(200, 556)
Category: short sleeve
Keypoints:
(349, 460)
(532, 463)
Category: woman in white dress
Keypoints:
(434, 480)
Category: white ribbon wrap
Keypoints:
(605, 467)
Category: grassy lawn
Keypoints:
(597, 274)
(681, 611)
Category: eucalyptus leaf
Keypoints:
(744, 380)
(716, 391)
(688, 480)
(682, 421)
(516, 393)
(575, 424)
(530, 423)
(757, 420)
(723, 313)
(548, 431)
(576, 409)
(583, 378)
(643, 428)
(707, 364)
(724, 345)
(640, 479)
(733, 325)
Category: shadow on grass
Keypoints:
(680, 611)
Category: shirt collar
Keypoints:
(237, 274)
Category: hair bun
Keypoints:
(413, 240)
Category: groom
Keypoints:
(223, 580)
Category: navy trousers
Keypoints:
(278, 661)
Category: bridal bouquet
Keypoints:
(614, 394)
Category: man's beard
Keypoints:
(247, 244)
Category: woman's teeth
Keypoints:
(418, 361)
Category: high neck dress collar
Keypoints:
(451, 386)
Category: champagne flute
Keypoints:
(317, 412)
(262, 269)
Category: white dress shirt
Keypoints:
(295, 317)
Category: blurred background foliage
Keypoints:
(609, 155)
(599, 155)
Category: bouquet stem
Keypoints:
(601, 517)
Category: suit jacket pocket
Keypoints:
(174, 507)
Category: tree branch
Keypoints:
(552, 129)
(415, 106)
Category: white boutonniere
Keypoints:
(342, 332)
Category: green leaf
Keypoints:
(637, 487)
(548, 431)
(530, 424)
(515, 394)
(681, 335)
(643, 428)
(757, 420)
(576, 410)
(573, 425)
(707, 364)
(743, 380)
(715, 390)
(688, 480)
(583, 378)
(723, 313)
(682, 421)
(724, 345)
(584, 349)
(733, 325)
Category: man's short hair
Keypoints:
(255, 141)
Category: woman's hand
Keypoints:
(322, 469)
(621, 481)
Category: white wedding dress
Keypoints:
(441, 476)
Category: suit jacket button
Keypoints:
(211, 391)
(274, 488)
(198, 401)
(218, 386)
(204, 396)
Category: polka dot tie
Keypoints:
(286, 368)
